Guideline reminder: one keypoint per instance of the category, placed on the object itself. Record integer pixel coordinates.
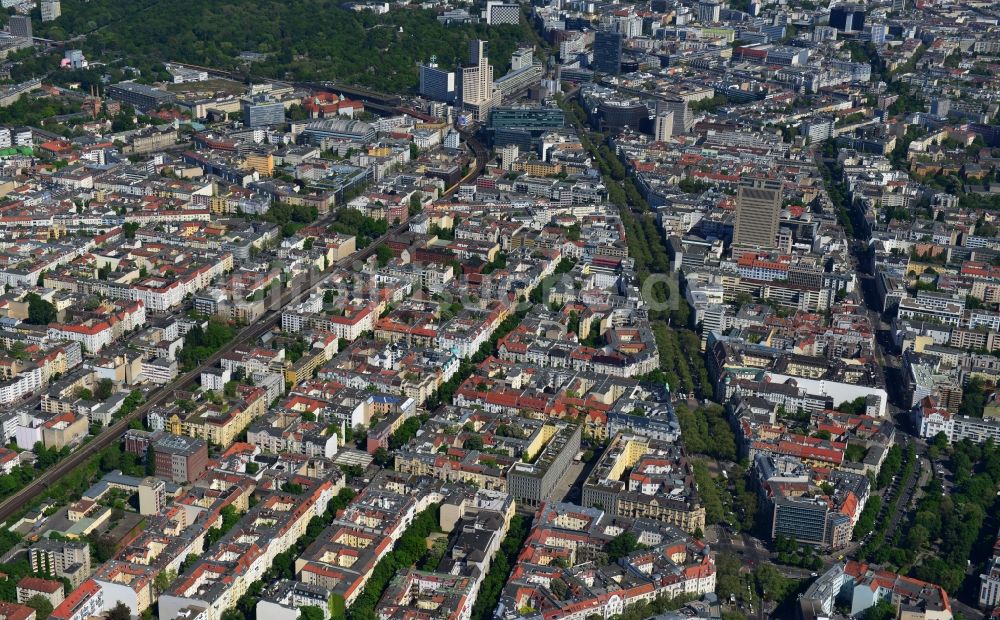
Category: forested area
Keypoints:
(303, 39)
(32, 111)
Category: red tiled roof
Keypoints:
(37, 584)
(14, 611)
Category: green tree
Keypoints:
(622, 545)
(103, 547)
(384, 254)
(866, 521)
(338, 610)
(163, 580)
(353, 222)
(772, 585)
(229, 519)
(40, 312)
(41, 605)
(917, 537)
(110, 460)
(882, 610)
(558, 588)
(973, 399)
(311, 612)
(415, 204)
(710, 496)
(856, 406)
(104, 389)
(727, 570)
(382, 457)
(406, 431)
(150, 462)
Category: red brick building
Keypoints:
(179, 458)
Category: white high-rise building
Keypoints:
(709, 11)
(629, 26)
(664, 126)
(682, 117)
(521, 58)
(51, 10)
(573, 44)
(477, 79)
(508, 154)
(501, 13)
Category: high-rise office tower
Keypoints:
(848, 17)
(436, 83)
(262, 111)
(709, 11)
(875, 33)
(608, 52)
(479, 52)
(663, 128)
(682, 117)
(501, 12)
(508, 154)
(628, 25)
(20, 26)
(758, 209)
(479, 95)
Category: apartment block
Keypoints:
(61, 559)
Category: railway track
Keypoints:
(365, 95)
